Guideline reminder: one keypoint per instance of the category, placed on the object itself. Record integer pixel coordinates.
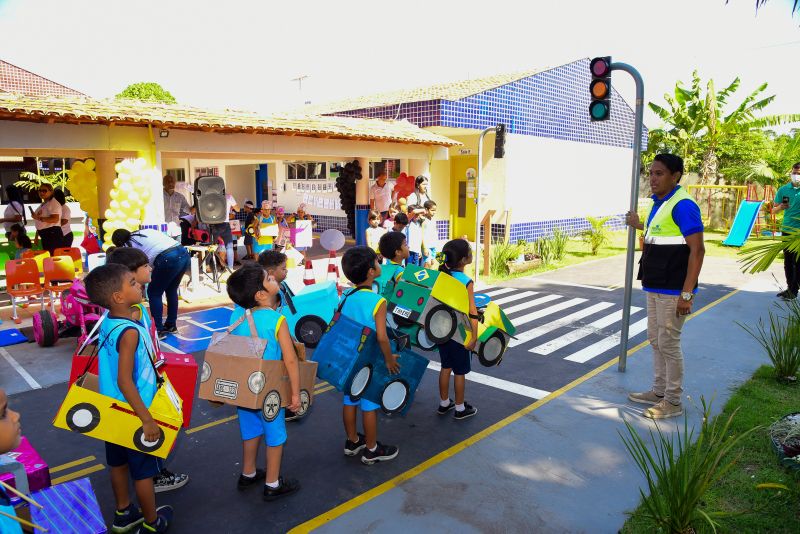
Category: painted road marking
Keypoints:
(572, 284)
(21, 370)
(495, 292)
(498, 383)
(580, 333)
(203, 325)
(538, 314)
(558, 323)
(418, 469)
(70, 465)
(78, 474)
(530, 304)
(512, 298)
(596, 349)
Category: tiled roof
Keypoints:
(131, 112)
(441, 91)
(14, 79)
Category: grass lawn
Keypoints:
(761, 400)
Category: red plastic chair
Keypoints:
(74, 253)
(59, 273)
(38, 255)
(22, 281)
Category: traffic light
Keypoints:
(600, 89)
(500, 141)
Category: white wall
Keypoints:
(290, 198)
(550, 179)
(240, 181)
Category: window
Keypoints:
(178, 174)
(204, 171)
(306, 170)
(390, 166)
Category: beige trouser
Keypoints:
(664, 333)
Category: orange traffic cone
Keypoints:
(308, 274)
(333, 269)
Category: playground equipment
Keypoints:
(743, 223)
(716, 203)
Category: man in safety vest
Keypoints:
(669, 268)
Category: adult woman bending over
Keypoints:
(169, 261)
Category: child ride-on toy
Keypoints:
(79, 314)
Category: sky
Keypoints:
(244, 54)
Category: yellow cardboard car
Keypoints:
(86, 411)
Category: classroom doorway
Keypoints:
(462, 200)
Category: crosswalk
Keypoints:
(554, 325)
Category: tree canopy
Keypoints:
(147, 92)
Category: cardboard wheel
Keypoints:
(423, 341)
(205, 374)
(394, 396)
(305, 402)
(309, 330)
(147, 446)
(360, 382)
(83, 418)
(490, 352)
(440, 324)
(272, 406)
(45, 328)
(256, 382)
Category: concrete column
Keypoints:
(104, 166)
(362, 202)
(404, 165)
(154, 210)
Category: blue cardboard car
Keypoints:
(344, 349)
(309, 311)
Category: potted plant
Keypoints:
(785, 436)
(525, 260)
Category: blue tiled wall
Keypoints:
(443, 229)
(531, 231)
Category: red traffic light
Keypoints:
(600, 67)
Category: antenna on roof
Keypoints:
(299, 81)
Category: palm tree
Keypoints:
(760, 3)
(698, 122)
(776, 159)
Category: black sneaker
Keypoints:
(382, 453)
(247, 482)
(285, 487)
(162, 335)
(127, 519)
(172, 329)
(352, 449)
(289, 415)
(468, 411)
(444, 409)
(789, 296)
(161, 523)
(167, 480)
(783, 293)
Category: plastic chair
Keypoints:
(38, 255)
(74, 253)
(22, 281)
(59, 273)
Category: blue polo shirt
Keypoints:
(686, 215)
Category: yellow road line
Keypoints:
(370, 494)
(78, 474)
(322, 390)
(212, 423)
(72, 464)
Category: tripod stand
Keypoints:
(209, 253)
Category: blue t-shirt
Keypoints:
(686, 215)
(461, 277)
(267, 324)
(144, 375)
(361, 306)
(8, 525)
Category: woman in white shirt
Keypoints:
(170, 261)
(48, 219)
(15, 211)
(66, 214)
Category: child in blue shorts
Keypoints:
(455, 357)
(126, 372)
(255, 295)
(361, 267)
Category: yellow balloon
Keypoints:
(113, 194)
(114, 204)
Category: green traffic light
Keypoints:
(598, 111)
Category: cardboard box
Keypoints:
(80, 360)
(86, 411)
(25, 460)
(182, 372)
(69, 508)
(345, 348)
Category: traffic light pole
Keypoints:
(476, 254)
(635, 172)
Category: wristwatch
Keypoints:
(686, 296)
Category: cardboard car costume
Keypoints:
(309, 311)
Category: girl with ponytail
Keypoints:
(455, 357)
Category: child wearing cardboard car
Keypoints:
(251, 290)
(126, 372)
(136, 261)
(10, 434)
(394, 247)
(361, 267)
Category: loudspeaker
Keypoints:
(209, 199)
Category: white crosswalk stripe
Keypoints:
(530, 304)
(587, 353)
(526, 336)
(495, 292)
(512, 298)
(538, 314)
(580, 333)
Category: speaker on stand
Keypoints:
(212, 208)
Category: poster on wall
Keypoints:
(302, 234)
(305, 198)
(319, 202)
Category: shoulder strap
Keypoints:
(356, 290)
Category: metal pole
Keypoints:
(635, 171)
(477, 253)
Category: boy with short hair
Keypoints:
(400, 222)
(361, 267)
(256, 294)
(430, 236)
(136, 261)
(394, 247)
(127, 373)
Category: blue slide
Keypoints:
(743, 223)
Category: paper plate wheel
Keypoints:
(331, 239)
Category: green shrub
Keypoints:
(560, 238)
(544, 247)
(597, 235)
(501, 253)
(679, 474)
(781, 341)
